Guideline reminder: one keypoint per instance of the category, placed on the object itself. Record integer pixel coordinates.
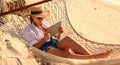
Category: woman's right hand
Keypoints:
(47, 36)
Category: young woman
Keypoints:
(37, 36)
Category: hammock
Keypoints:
(13, 25)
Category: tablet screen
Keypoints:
(53, 29)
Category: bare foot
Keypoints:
(108, 53)
(104, 55)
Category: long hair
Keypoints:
(31, 20)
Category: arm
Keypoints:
(42, 41)
(59, 33)
(30, 36)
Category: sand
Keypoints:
(98, 22)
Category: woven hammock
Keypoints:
(15, 23)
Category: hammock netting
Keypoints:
(14, 24)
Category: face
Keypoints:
(37, 20)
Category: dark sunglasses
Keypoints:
(39, 18)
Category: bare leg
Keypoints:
(96, 56)
(66, 54)
(67, 43)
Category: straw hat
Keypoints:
(39, 12)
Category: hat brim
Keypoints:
(42, 15)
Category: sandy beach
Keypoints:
(96, 20)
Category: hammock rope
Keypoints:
(15, 24)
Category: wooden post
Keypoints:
(24, 7)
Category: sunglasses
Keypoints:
(39, 18)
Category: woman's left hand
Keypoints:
(61, 30)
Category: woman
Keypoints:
(37, 36)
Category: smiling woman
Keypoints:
(37, 35)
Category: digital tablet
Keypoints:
(53, 29)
